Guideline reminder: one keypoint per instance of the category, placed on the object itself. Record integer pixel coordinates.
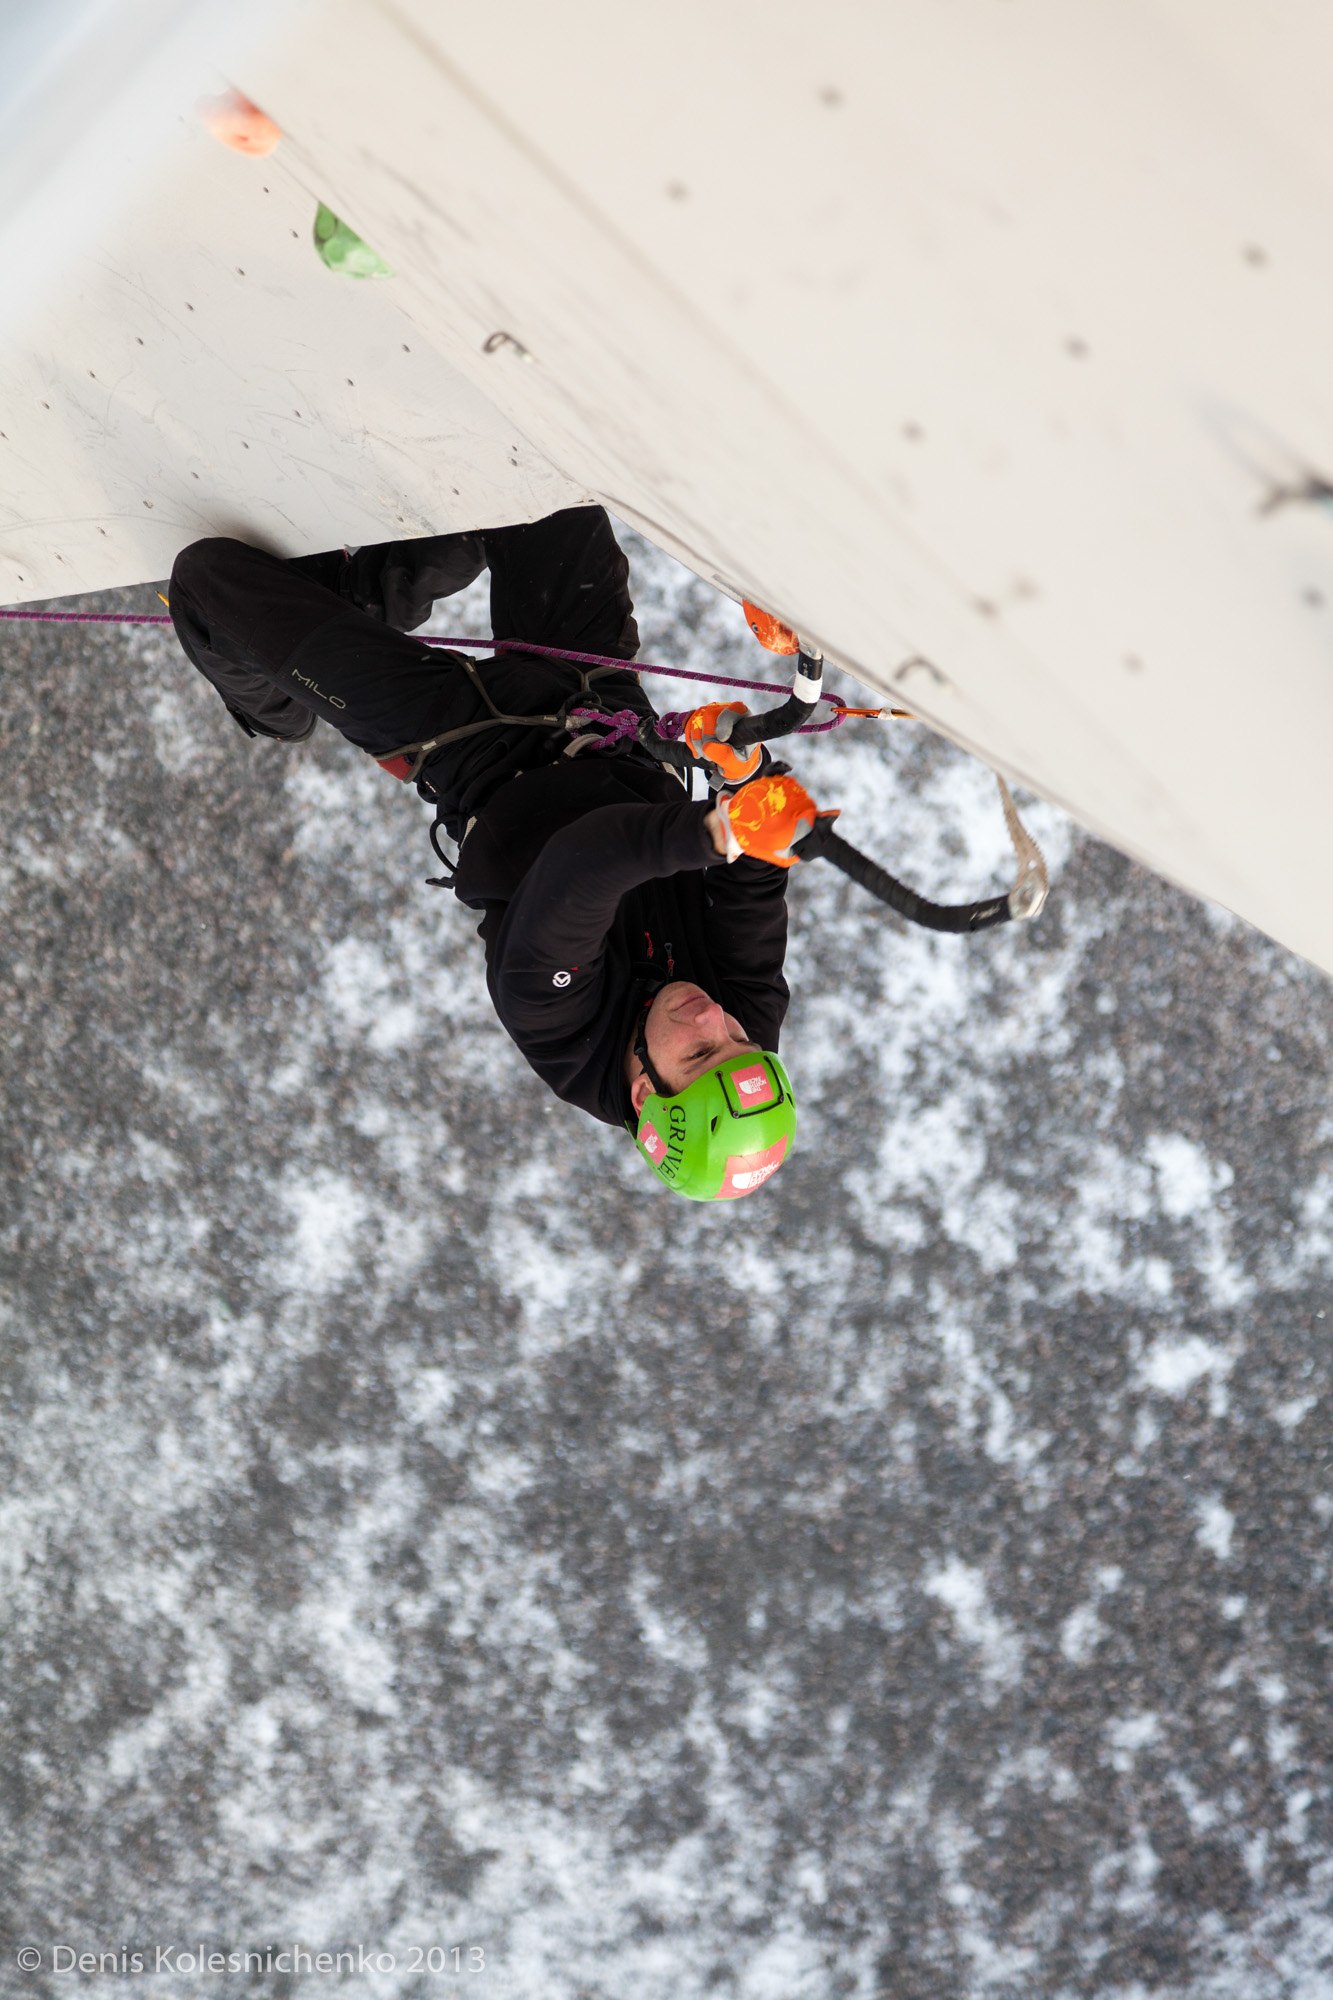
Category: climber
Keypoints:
(634, 939)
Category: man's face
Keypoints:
(687, 1034)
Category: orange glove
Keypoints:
(766, 818)
(708, 741)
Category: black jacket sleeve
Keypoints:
(558, 920)
(558, 964)
(747, 942)
(554, 989)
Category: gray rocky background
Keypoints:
(420, 1535)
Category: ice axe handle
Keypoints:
(790, 715)
(666, 749)
(822, 843)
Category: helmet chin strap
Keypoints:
(650, 1069)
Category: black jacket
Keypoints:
(598, 880)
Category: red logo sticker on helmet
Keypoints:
(654, 1145)
(753, 1085)
(747, 1171)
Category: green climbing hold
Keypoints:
(343, 250)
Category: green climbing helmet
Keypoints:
(726, 1133)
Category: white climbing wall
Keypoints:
(971, 336)
(185, 365)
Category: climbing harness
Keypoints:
(407, 761)
(591, 726)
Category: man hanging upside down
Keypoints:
(634, 939)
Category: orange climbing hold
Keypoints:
(236, 122)
(770, 631)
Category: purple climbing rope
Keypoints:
(90, 617)
(835, 701)
(618, 725)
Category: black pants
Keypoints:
(286, 641)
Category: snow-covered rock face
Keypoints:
(420, 1532)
